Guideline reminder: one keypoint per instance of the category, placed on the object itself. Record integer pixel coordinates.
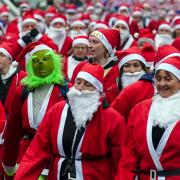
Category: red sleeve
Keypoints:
(2, 117)
(40, 150)
(13, 131)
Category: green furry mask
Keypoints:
(32, 81)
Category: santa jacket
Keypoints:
(66, 47)
(96, 154)
(142, 155)
(131, 95)
(21, 126)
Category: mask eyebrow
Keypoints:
(34, 57)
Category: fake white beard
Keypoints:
(41, 27)
(73, 34)
(147, 14)
(83, 105)
(56, 34)
(165, 111)
(124, 35)
(129, 78)
(162, 39)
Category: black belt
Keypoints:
(70, 168)
(164, 173)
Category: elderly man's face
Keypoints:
(82, 84)
(28, 27)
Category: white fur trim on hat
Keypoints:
(6, 53)
(123, 23)
(165, 26)
(123, 8)
(166, 57)
(49, 14)
(100, 25)
(39, 17)
(39, 48)
(29, 20)
(75, 23)
(103, 39)
(80, 41)
(177, 27)
(5, 13)
(56, 20)
(170, 68)
(137, 13)
(131, 57)
(91, 79)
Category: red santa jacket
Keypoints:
(66, 47)
(131, 95)
(11, 92)
(21, 124)
(141, 154)
(104, 135)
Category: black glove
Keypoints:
(27, 39)
(34, 33)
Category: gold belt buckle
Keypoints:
(152, 174)
(69, 177)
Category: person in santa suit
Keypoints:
(28, 35)
(41, 89)
(80, 52)
(132, 66)
(153, 129)
(127, 39)
(58, 33)
(83, 138)
(102, 48)
(144, 88)
(10, 75)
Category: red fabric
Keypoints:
(139, 155)
(66, 47)
(18, 125)
(11, 93)
(131, 95)
(13, 27)
(109, 137)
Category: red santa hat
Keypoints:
(100, 25)
(123, 7)
(145, 35)
(165, 52)
(78, 22)
(176, 24)
(80, 40)
(176, 43)
(38, 14)
(94, 74)
(149, 54)
(137, 11)
(171, 65)
(4, 11)
(133, 53)
(71, 8)
(85, 18)
(51, 11)
(28, 18)
(24, 5)
(122, 20)
(90, 7)
(8, 50)
(164, 25)
(59, 18)
(110, 38)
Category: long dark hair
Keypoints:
(120, 87)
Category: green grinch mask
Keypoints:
(44, 67)
(42, 63)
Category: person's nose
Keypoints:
(132, 69)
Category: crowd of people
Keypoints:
(90, 92)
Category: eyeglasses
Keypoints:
(80, 47)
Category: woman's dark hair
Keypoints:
(121, 72)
